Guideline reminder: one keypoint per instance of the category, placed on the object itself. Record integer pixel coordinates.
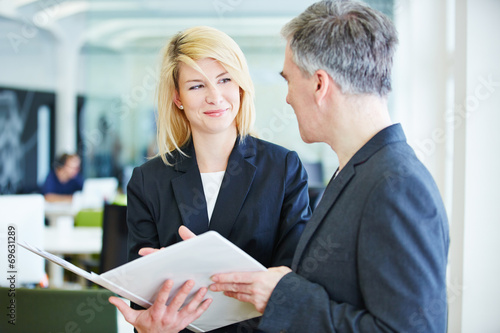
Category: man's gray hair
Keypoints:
(352, 42)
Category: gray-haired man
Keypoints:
(373, 256)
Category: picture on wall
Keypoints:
(27, 121)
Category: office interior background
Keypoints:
(80, 76)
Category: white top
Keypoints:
(211, 185)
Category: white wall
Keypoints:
(447, 96)
(481, 118)
(45, 58)
(27, 56)
(420, 73)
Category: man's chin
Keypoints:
(306, 138)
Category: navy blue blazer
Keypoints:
(262, 206)
(373, 256)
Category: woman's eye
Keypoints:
(196, 87)
(225, 80)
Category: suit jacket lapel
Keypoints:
(388, 135)
(188, 191)
(332, 191)
(235, 186)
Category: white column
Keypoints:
(476, 218)
(456, 254)
(420, 74)
(66, 71)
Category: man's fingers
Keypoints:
(244, 277)
(240, 296)
(185, 233)
(128, 313)
(233, 287)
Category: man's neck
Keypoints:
(361, 119)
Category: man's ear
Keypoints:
(323, 82)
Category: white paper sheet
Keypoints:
(55, 259)
(196, 259)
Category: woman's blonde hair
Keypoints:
(189, 46)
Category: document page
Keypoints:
(57, 260)
(195, 259)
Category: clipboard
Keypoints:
(195, 259)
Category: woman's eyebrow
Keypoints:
(221, 74)
(201, 80)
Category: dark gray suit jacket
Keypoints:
(373, 256)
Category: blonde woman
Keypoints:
(210, 172)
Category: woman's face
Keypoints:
(211, 101)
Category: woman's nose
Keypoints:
(214, 95)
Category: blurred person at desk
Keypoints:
(64, 180)
(210, 173)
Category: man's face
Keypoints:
(72, 166)
(300, 96)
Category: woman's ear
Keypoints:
(322, 81)
(177, 99)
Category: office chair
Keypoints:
(315, 195)
(314, 174)
(114, 237)
(315, 183)
(22, 219)
(57, 310)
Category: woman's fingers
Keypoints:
(147, 250)
(185, 233)
(181, 296)
(128, 313)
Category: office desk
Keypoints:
(67, 240)
(56, 211)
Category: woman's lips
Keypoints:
(215, 113)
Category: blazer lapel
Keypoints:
(234, 189)
(188, 191)
(391, 134)
(331, 194)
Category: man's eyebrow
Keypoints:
(283, 75)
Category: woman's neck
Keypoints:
(213, 150)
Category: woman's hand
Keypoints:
(162, 318)
(184, 232)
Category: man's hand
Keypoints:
(162, 318)
(251, 287)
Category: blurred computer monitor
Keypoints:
(95, 192)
